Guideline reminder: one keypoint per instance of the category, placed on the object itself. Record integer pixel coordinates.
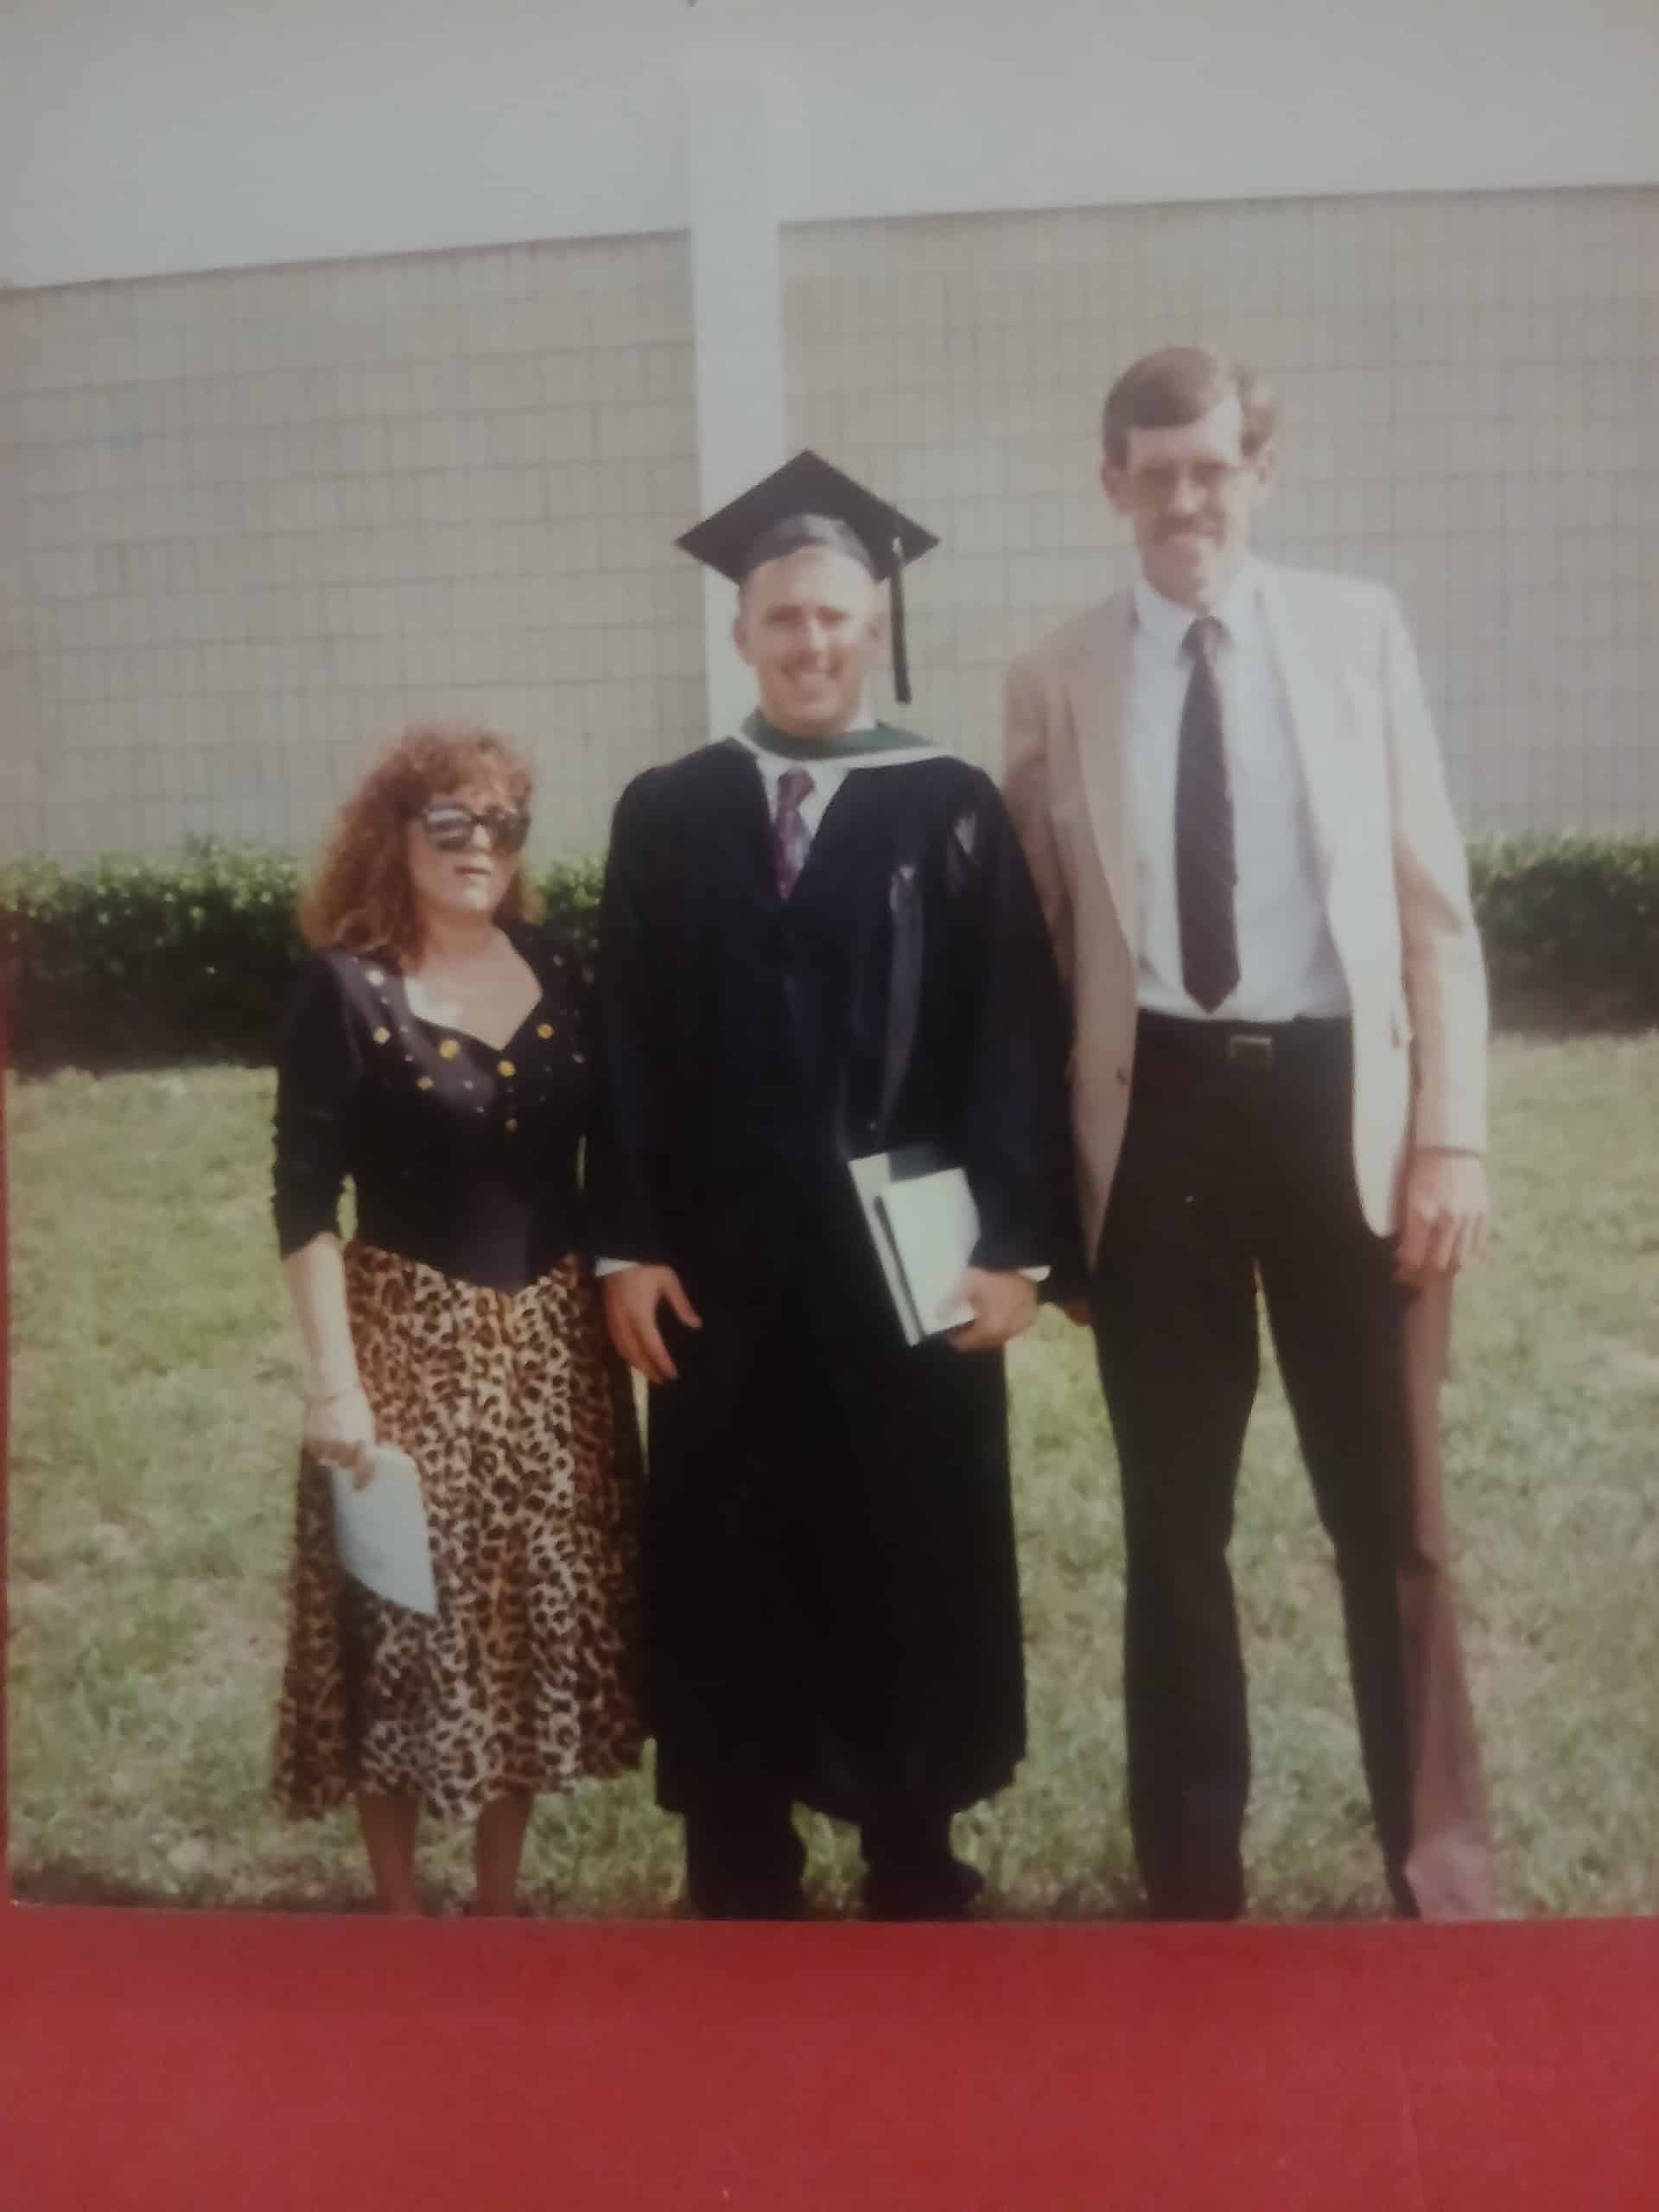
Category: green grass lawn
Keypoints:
(153, 1443)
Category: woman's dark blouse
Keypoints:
(461, 1156)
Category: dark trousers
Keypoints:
(1237, 1169)
(744, 1860)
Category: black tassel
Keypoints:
(896, 625)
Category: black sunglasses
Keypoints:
(450, 826)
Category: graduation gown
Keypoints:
(831, 1598)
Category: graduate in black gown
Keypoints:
(818, 940)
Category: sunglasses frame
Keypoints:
(506, 827)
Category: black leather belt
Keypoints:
(1249, 1047)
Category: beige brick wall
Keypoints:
(1471, 389)
(251, 522)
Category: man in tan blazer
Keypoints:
(1229, 792)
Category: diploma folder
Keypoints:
(925, 1225)
(380, 1534)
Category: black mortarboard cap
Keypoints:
(808, 502)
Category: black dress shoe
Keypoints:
(750, 1900)
(944, 1890)
(1210, 1906)
(744, 1859)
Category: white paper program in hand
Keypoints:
(380, 1531)
(935, 1227)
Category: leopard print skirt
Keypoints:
(520, 1419)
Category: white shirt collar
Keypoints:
(1166, 623)
(832, 770)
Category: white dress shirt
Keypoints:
(1287, 963)
(828, 775)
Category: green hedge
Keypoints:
(126, 961)
(1571, 927)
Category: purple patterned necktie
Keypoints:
(1206, 870)
(790, 838)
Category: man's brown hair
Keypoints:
(1177, 385)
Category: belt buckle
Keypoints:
(1250, 1051)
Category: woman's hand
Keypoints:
(339, 1426)
(340, 1429)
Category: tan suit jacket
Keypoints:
(1391, 862)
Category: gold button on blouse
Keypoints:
(449, 1050)
(544, 1029)
(506, 1067)
(375, 976)
(424, 1083)
(383, 1036)
(511, 1126)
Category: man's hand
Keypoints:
(1003, 1303)
(631, 1298)
(1445, 1217)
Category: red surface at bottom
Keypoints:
(174, 2060)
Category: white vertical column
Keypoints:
(730, 122)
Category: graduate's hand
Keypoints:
(1077, 1311)
(1004, 1304)
(1445, 1216)
(632, 1296)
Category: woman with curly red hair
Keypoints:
(436, 1055)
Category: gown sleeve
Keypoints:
(1015, 1122)
(318, 1070)
(624, 1128)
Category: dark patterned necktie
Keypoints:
(790, 838)
(1206, 870)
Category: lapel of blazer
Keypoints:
(1316, 695)
(1099, 688)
